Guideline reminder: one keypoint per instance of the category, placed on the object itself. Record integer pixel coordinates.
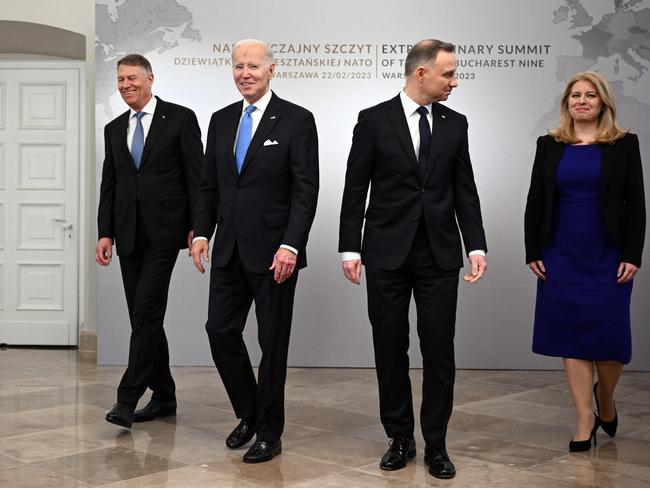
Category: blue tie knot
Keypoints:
(139, 115)
(250, 109)
(422, 111)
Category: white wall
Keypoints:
(76, 16)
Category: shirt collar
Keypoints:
(409, 105)
(261, 104)
(149, 108)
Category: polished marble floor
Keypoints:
(509, 429)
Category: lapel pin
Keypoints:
(272, 117)
(443, 116)
(163, 116)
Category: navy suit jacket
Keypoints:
(164, 188)
(444, 194)
(273, 200)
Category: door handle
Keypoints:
(64, 223)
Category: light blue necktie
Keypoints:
(137, 145)
(244, 137)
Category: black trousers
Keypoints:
(389, 295)
(232, 291)
(146, 274)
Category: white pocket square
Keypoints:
(269, 142)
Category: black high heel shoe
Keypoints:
(608, 426)
(578, 446)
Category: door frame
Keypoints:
(83, 186)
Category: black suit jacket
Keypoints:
(165, 187)
(622, 196)
(273, 200)
(444, 194)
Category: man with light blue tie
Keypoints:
(259, 189)
(151, 172)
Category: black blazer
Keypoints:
(622, 196)
(165, 187)
(273, 200)
(445, 193)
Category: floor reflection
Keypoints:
(509, 429)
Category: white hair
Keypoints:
(268, 52)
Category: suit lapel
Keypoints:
(270, 117)
(398, 120)
(122, 133)
(157, 127)
(608, 153)
(553, 156)
(439, 127)
(230, 137)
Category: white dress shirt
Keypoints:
(146, 119)
(413, 120)
(256, 115)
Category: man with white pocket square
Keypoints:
(259, 189)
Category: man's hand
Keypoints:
(479, 266)
(352, 270)
(626, 272)
(104, 251)
(538, 268)
(200, 249)
(284, 264)
(190, 238)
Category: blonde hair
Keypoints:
(608, 130)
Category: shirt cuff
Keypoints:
(199, 238)
(350, 256)
(477, 252)
(292, 249)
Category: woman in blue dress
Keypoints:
(584, 231)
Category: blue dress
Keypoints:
(581, 311)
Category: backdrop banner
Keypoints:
(338, 57)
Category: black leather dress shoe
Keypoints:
(243, 433)
(399, 452)
(121, 414)
(155, 409)
(262, 451)
(440, 466)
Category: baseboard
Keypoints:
(88, 345)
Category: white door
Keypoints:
(40, 134)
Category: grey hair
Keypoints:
(268, 52)
(136, 60)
